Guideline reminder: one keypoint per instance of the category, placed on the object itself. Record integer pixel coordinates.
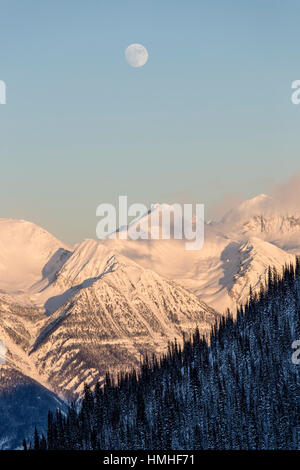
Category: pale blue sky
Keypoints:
(209, 114)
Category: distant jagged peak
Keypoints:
(262, 214)
(257, 205)
(258, 201)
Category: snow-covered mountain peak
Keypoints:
(92, 260)
(263, 215)
(255, 206)
(28, 253)
(150, 219)
(258, 199)
(158, 223)
(251, 263)
(255, 229)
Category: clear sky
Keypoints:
(209, 114)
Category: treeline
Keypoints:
(240, 390)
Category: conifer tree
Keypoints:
(236, 390)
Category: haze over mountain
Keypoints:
(69, 314)
(77, 315)
(236, 254)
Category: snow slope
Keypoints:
(111, 322)
(70, 314)
(214, 273)
(263, 217)
(236, 254)
(100, 311)
(28, 254)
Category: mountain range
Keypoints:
(69, 314)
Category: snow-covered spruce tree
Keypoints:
(240, 390)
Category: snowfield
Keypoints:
(69, 314)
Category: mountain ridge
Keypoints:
(69, 314)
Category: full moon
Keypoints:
(136, 55)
